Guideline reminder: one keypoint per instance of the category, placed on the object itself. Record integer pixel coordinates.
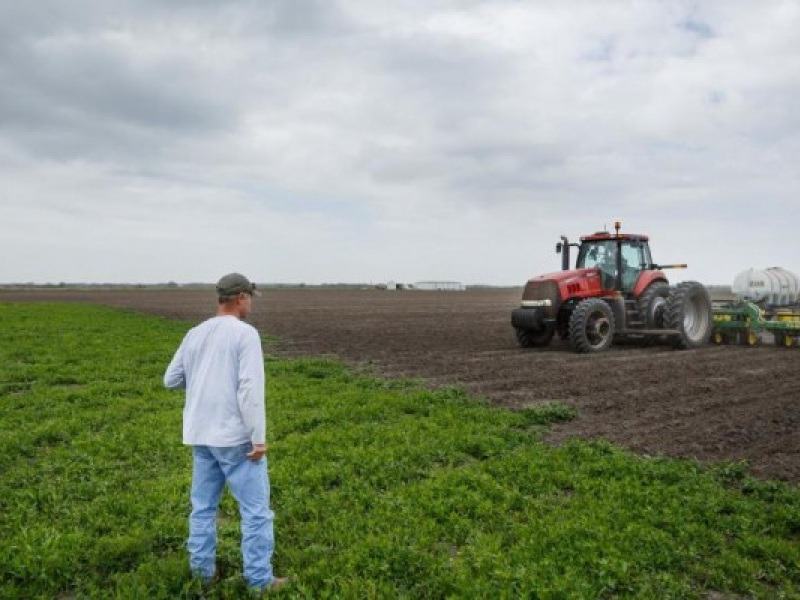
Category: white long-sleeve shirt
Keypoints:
(221, 365)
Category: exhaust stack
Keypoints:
(564, 253)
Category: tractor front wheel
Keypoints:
(591, 326)
(533, 338)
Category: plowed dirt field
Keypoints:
(715, 403)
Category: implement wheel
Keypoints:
(784, 340)
(688, 310)
(591, 326)
(750, 338)
(533, 338)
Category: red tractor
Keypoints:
(614, 291)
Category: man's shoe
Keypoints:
(277, 583)
(273, 586)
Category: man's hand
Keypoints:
(258, 451)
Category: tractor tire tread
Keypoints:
(577, 325)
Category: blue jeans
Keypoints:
(212, 468)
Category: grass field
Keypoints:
(380, 488)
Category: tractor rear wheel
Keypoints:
(591, 326)
(651, 304)
(688, 311)
(532, 338)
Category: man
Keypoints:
(221, 366)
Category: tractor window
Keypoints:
(633, 261)
(601, 255)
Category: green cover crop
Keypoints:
(381, 488)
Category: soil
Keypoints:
(717, 403)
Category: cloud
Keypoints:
(422, 140)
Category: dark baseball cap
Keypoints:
(235, 283)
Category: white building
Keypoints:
(446, 286)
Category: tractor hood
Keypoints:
(548, 291)
(566, 277)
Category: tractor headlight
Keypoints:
(536, 303)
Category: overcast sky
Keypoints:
(322, 141)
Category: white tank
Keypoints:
(775, 286)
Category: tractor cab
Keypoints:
(620, 259)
